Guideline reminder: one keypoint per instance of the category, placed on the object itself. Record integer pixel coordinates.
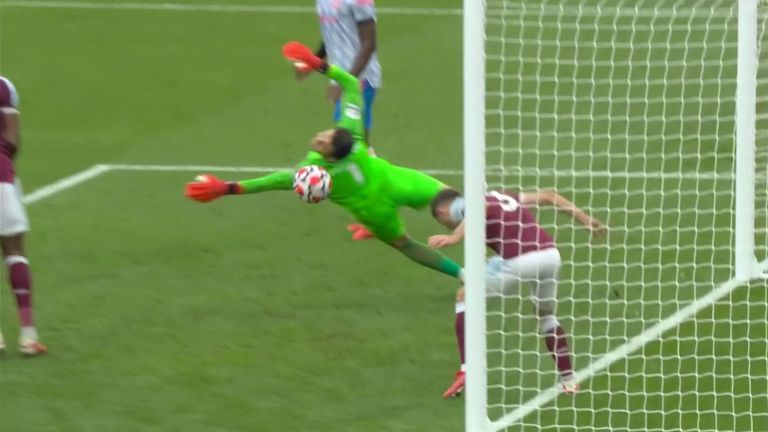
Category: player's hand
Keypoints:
(597, 228)
(441, 240)
(206, 187)
(302, 57)
(333, 93)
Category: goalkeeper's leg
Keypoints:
(384, 223)
(422, 254)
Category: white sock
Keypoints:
(463, 367)
(28, 333)
(547, 324)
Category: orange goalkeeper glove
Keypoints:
(207, 187)
(303, 59)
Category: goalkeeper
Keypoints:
(371, 189)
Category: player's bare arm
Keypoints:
(562, 204)
(443, 240)
(367, 31)
(321, 52)
(12, 131)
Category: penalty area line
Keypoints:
(65, 183)
(651, 334)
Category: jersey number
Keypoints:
(357, 174)
(506, 202)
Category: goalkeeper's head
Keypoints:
(448, 208)
(333, 144)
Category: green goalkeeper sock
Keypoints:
(427, 257)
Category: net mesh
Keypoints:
(627, 108)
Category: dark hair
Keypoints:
(341, 142)
(445, 196)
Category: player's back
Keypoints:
(511, 229)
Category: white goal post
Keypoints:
(653, 115)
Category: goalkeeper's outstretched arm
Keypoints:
(351, 108)
(208, 187)
(281, 180)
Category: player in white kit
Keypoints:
(13, 221)
(349, 41)
(525, 254)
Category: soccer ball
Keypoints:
(312, 184)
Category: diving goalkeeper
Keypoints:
(371, 189)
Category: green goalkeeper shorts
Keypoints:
(402, 187)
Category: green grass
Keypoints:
(258, 314)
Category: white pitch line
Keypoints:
(686, 175)
(183, 7)
(65, 183)
(650, 334)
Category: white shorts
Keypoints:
(539, 269)
(13, 216)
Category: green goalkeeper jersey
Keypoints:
(370, 188)
(356, 180)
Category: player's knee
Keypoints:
(400, 243)
(11, 260)
(12, 245)
(545, 308)
(460, 295)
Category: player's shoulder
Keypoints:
(9, 98)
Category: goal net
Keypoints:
(629, 109)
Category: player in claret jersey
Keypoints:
(525, 254)
(13, 220)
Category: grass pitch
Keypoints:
(257, 313)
